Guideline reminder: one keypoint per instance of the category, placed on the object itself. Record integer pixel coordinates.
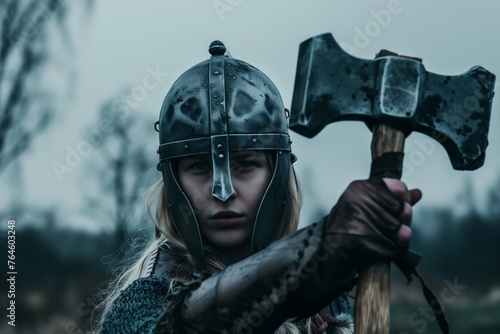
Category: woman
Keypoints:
(226, 257)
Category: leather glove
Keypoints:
(364, 224)
(361, 228)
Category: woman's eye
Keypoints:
(244, 164)
(200, 166)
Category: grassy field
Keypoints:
(475, 317)
(470, 307)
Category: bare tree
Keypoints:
(124, 168)
(27, 28)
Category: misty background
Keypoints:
(81, 85)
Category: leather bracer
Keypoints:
(287, 279)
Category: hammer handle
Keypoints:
(372, 299)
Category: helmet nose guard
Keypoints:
(217, 106)
(222, 188)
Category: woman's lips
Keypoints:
(227, 218)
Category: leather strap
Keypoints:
(407, 263)
(389, 164)
(434, 304)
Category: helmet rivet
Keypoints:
(219, 146)
(224, 312)
(215, 95)
(221, 156)
(254, 140)
(280, 152)
(186, 147)
(216, 72)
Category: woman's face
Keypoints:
(226, 225)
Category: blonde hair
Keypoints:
(158, 210)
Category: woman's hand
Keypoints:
(371, 221)
(409, 198)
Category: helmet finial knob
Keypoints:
(217, 48)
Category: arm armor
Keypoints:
(290, 278)
(296, 276)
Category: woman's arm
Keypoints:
(298, 275)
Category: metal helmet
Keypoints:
(217, 106)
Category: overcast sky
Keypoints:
(124, 41)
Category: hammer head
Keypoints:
(331, 85)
